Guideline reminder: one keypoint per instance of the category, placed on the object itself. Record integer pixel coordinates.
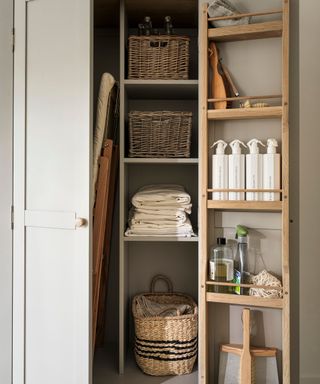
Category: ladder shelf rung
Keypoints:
(246, 32)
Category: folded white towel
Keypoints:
(175, 232)
(163, 225)
(162, 195)
(136, 217)
(178, 213)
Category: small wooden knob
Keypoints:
(80, 222)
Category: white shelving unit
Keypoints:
(142, 256)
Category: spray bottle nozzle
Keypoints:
(241, 231)
(272, 145)
(236, 146)
(221, 146)
(253, 145)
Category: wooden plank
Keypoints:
(285, 186)
(246, 32)
(244, 300)
(245, 205)
(245, 113)
(107, 248)
(99, 228)
(250, 14)
(203, 185)
(247, 98)
(226, 284)
(161, 239)
(243, 190)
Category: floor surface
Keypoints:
(105, 371)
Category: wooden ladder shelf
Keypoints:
(269, 29)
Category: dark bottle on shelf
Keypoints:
(147, 26)
(141, 31)
(168, 27)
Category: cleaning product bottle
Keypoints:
(254, 169)
(236, 170)
(241, 259)
(220, 170)
(221, 265)
(271, 171)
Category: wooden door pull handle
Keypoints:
(80, 222)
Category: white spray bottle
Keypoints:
(236, 170)
(254, 169)
(220, 170)
(271, 171)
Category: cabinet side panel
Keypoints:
(6, 77)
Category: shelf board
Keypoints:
(135, 160)
(245, 113)
(247, 32)
(244, 300)
(193, 239)
(245, 205)
(162, 89)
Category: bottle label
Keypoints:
(221, 270)
(237, 280)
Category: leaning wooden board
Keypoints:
(99, 227)
(107, 248)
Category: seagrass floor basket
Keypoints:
(163, 57)
(165, 345)
(160, 134)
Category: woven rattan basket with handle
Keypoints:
(160, 134)
(158, 57)
(165, 345)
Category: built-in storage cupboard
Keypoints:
(62, 49)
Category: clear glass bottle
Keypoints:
(221, 265)
(241, 275)
(147, 26)
(168, 27)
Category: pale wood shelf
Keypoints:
(267, 206)
(247, 32)
(135, 160)
(193, 239)
(161, 89)
(244, 300)
(245, 113)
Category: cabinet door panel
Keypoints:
(57, 187)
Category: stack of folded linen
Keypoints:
(160, 210)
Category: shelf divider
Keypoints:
(245, 113)
(244, 300)
(193, 239)
(254, 31)
(244, 205)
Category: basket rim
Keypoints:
(161, 111)
(159, 37)
(175, 318)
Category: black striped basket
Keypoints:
(166, 345)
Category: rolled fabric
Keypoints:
(218, 8)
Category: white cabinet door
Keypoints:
(52, 287)
(6, 77)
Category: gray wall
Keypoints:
(6, 22)
(309, 192)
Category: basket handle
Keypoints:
(163, 278)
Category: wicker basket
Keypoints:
(160, 134)
(158, 57)
(165, 345)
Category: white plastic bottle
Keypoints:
(220, 170)
(271, 171)
(236, 170)
(254, 169)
